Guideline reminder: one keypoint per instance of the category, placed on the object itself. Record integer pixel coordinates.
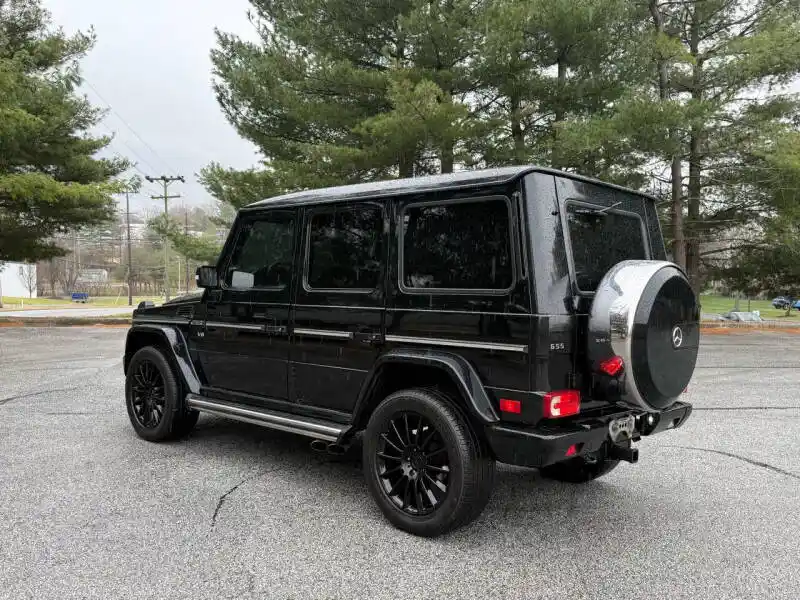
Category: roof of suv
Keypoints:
(414, 185)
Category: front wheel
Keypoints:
(425, 467)
(153, 397)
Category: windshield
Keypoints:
(600, 240)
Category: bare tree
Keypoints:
(27, 275)
(54, 268)
(68, 273)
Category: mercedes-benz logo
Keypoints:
(677, 337)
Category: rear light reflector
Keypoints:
(510, 406)
(612, 366)
(562, 403)
(572, 450)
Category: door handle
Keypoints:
(368, 337)
(276, 329)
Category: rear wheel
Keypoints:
(154, 398)
(425, 468)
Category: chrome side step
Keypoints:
(308, 426)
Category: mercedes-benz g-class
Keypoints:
(520, 314)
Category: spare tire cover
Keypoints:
(646, 312)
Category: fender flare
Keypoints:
(460, 371)
(174, 341)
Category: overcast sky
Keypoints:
(151, 66)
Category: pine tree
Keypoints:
(704, 116)
(686, 93)
(551, 71)
(50, 182)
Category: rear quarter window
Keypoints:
(460, 245)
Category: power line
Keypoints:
(124, 143)
(124, 122)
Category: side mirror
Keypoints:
(206, 277)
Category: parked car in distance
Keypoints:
(521, 315)
(783, 302)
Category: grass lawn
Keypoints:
(709, 304)
(10, 302)
(721, 304)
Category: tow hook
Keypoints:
(630, 455)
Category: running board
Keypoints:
(308, 426)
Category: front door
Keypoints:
(338, 319)
(244, 349)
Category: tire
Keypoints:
(407, 466)
(154, 398)
(581, 469)
(646, 313)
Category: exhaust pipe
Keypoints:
(319, 445)
(328, 447)
(630, 455)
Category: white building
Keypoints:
(89, 276)
(138, 231)
(15, 278)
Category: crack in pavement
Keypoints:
(224, 496)
(756, 463)
(746, 367)
(748, 408)
(31, 394)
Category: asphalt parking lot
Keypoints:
(88, 510)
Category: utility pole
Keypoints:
(76, 260)
(130, 261)
(165, 181)
(186, 232)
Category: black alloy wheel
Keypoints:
(425, 465)
(148, 395)
(154, 397)
(412, 464)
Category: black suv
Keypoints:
(519, 314)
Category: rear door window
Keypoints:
(599, 239)
(345, 248)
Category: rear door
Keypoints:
(340, 305)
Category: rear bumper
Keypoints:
(547, 444)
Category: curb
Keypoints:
(64, 322)
(749, 326)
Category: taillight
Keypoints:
(612, 366)
(510, 406)
(562, 403)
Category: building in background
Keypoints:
(18, 280)
(92, 276)
(138, 231)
